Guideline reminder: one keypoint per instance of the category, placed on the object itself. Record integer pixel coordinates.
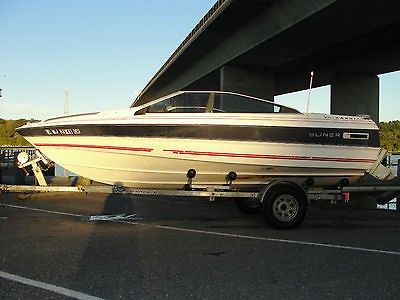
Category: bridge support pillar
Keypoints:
(255, 82)
(355, 94)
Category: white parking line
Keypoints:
(49, 287)
(43, 210)
(279, 240)
(378, 251)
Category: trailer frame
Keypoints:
(282, 203)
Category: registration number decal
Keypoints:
(63, 131)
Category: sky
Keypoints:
(105, 52)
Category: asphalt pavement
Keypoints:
(189, 248)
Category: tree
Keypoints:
(390, 135)
(8, 136)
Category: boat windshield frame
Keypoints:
(212, 102)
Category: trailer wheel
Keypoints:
(284, 205)
(248, 205)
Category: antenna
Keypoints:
(309, 90)
(66, 112)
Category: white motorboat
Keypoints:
(214, 133)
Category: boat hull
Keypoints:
(164, 162)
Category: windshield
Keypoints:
(214, 102)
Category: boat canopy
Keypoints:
(212, 102)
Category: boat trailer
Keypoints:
(283, 204)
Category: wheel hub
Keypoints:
(285, 207)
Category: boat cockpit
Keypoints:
(212, 102)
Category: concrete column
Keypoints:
(250, 81)
(355, 94)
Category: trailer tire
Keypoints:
(248, 205)
(284, 205)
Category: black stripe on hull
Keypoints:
(302, 135)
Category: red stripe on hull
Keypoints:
(286, 157)
(221, 154)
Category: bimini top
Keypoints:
(211, 102)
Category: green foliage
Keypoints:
(8, 136)
(390, 135)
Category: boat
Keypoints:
(211, 138)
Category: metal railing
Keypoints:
(9, 153)
(391, 205)
(393, 163)
(8, 162)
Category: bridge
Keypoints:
(266, 48)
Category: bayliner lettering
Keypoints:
(63, 131)
(325, 134)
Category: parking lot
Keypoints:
(183, 248)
